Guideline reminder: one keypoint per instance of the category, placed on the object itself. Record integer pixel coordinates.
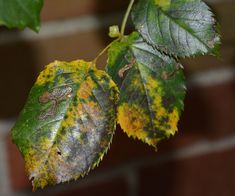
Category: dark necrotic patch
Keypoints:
(168, 102)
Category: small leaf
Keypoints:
(21, 14)
(151, 86)
(67, 123)
(177, 27)
(114, 31)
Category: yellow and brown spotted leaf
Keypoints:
(67, 123)
(151, 86)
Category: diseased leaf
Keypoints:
(67, 123)
(21, 14)
(177, 27)
(152, 89)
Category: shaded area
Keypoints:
(18, 67)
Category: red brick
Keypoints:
(114, 187)
(16, 77)
(124, 149)
(209, 111)
(209, 175)
(203, 63)
(59, 9)
(225, 13)
(18, 178)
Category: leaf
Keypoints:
(21, 14)
(67, 123)
(177, 27)
(152, 89)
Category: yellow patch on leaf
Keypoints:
(164, 4)
(49, 73)
(171, 118)
(173, 121)
(85, 90)
(72, 115)
(135, 82)
(133, 120)
(34, 162)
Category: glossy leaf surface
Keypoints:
(67, 123)
(151, 86)
(21, 13)
(177, 27)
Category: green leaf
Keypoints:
(177, 27)
(67, 123)
(21, 13)
(152, 89)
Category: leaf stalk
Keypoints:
(123, 27)
(103, 51)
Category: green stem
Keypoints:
(103, 51)
(126, 17)
(121, 34)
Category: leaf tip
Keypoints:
(133, 121)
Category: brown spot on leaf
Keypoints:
(57, 95)
(126, 68)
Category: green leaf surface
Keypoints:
(21, 13)
(67, 123)
(152, 89)
(177, 27)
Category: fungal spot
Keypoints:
(49, 112)
(44, 98)
(164, 75)
(126, 68)
(167, 101)
(57, 95)
(167, 75)
(211, 43)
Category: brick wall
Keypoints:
(198, 161)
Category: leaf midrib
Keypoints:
(57, 132)
(191, 33)
(179, 25)
(25, 10)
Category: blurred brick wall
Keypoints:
(198, 161)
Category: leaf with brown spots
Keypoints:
(67, 123)
(152, 89)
